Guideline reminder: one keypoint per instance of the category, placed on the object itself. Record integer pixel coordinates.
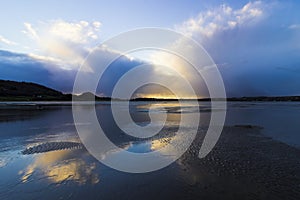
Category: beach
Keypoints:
(249, 161)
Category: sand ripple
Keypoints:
(51, 146)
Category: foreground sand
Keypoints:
(243, 165)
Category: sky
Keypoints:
(255, 44)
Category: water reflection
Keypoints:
(160, 143)
(60, 166)
(175, 107)
(75, 174)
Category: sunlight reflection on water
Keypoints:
(58, 174)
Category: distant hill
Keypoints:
(25, 91)
(265, 98)
(259, 98)
(88, 96)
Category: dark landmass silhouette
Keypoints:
(24, 91)
(27, 91)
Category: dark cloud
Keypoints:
(254, 53)
(258, 55)
(22, 67)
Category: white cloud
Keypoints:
(44, 58)
(294, 26)
(62, 40)
(80, 32)
(97, 24)
(224, 32)
(253, 41)
(6, 41)
(222, 18)
(31, 32)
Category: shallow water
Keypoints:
(75, 174)
(280, 120)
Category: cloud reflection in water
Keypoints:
(60, 166)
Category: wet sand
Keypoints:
(244, 165)
(51, 146)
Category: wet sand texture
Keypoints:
(51, 146)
